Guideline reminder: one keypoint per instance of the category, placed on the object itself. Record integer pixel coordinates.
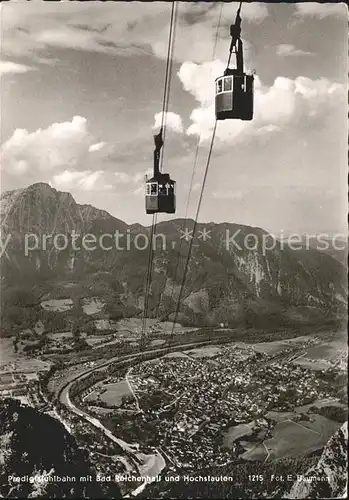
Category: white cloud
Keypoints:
(290, 50)
(86, 180)
(254, 12)
(139, 180)
(89, 181)
(139, 191)
(321, 10)
(122, 178)
(61, 145)
(195, 186)
(173, 121)
(222, 195)
(129, 28)
(139, 176)
(59, 154)
(96, 147)
(267, 129)
(136, 178)
(8, 67)
(198, 79)
(274, 107)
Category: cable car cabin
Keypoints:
(160, 195)
(234, 96)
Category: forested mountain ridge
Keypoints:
(232, 278)
(38, 449)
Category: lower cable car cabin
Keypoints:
(160, 195)
(234, 96)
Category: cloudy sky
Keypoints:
(81, 96)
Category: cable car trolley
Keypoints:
(234, 90)
(160, 190)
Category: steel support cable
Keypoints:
(165, 109)
(168, 64)
(194, 168)
(193, 231)
(163, 124)
(185, 219)
(169, 77)
(166, 99)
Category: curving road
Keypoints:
(63, 395)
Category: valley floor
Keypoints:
(198, 407)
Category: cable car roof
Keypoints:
(161, 178)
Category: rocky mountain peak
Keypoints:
(227, 281)
(33, 444)
(40, 208)
(328, 478)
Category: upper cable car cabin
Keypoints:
(160, 194)
(234, 96)
(234, 90)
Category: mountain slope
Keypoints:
(232, 277)
(328, 478)
(42, 209)
(325, 477)
(36, 445)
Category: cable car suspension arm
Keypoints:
(236, 43)
(158, 145)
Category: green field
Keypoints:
(312, 364)
(328, 351)
(93, 340)
(320, 357)
(271, 347)
(293, 440)
(204, 352)
(60, 335)
(280, 416)
(10, 361)
(57, 305)
(92, 305)
(254, 452)
(236, 432)
(157, 342)
(114, 393)
(7, 354)
(6, 379)
(175, 355)
(324, 426)
(100, 411)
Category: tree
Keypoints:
(76, 331)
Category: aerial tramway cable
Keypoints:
(235, 34)
(169, 75)
(163, 127)
(192, 177)
(193, 234)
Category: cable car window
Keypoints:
(154, 188)
(227, 84)
(147, 189)
(219, 86)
